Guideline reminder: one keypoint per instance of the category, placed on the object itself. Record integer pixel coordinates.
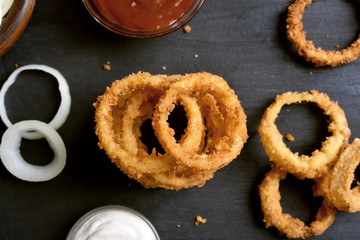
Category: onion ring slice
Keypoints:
(14, 162)
(64, 108)
(285, 223)
(307, 49)
(234, 134)
(341, 177)
(303, 166)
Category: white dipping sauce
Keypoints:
(114, 223)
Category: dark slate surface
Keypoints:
(243, 41)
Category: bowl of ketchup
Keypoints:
(143, 18)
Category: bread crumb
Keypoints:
(164, 68)
(16, 65)
(196, 56)
(337, 46)
(178, 226)
(107, 67)
(187, 29)
(289, 137)
(327, 35)
(310, 73)
(199, 220)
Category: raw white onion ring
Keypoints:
(15, 163)
(6, 5)
(0, 14)
(64, 108)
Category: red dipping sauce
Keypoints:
(143, 15)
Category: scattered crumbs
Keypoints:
(289, 137)
(288, 110)
(327, 35)
(108, 62)
(199, 220)
(16, 65)
(178, 226)
(164, 68)
(187, 29)
(133, 4)
(107, 67)
(310, 73)
(337, 46)
(196, 56)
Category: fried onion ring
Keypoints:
(233, 132)
(322, 160)
(342, 176)
(285, 223)
(306, 48)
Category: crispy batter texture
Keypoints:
(322, 160)
(222, 147)
(123, 108)
(306, 48)
(285, 223)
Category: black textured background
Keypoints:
(242, 41)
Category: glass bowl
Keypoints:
(84, 223)
(14, 23)
(108, 21)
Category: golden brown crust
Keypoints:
(285, 223)
(120, 112)
(307, 49)
(322, 160)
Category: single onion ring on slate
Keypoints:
(306, 48)
(14, 162)
(64, 108)
(322, 160)
(285, 223)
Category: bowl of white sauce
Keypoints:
(113, 222)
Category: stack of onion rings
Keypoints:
(215, 133)
(319, 166)
(307, 49)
